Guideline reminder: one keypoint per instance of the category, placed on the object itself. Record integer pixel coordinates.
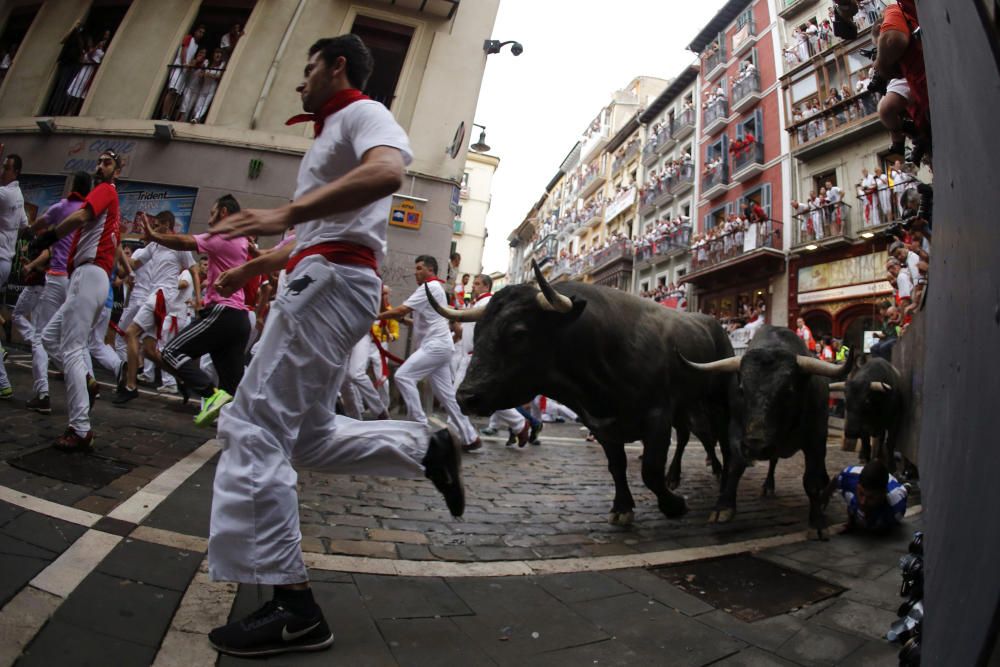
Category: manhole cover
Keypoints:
(84, 469)
(748, 588)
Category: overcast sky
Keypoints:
(576, 54)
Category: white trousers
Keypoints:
(432, 360)
(23, 317)
(283, 415)
(381, 380)
(100, 351)
(4, 274)
(50, 300)
(358, 391)
(65, 338)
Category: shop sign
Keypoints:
(849, 271)
(405, 212)
(152, 198)
(848, 292)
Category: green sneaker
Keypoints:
(6, 392)
(210, 410)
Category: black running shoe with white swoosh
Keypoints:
(270, 630)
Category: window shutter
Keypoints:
(765, 198)
(758, 116)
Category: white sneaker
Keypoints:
(167, 389)
(142, 377)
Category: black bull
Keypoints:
(613, 359)
(874, 408)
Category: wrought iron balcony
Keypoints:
(834, 126)
(715, 181)
(746, 92)
(715, 116)
(663, 245)
(714, 64)
(727, 248)
(620, 249)
(823, 227)
(683, 124)
(748, 160)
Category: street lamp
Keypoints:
(494, 46)
(480, 146)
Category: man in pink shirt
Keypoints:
(222, 325)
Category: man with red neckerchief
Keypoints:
(283, 414)
(432, 359)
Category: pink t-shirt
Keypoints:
(223, 254)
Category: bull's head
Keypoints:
(771, 383)
(867, 398)
(516, 336)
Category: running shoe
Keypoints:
(145, 378)
(40, 404)
(6, 392)
(71, 441)
(210, 410)
(93, 390)
(535, 430)
(473, 446)
(124, 396)
(167, 389)
(442, 465)
(486, 430)
(270, 630)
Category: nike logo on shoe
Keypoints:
(291, 636)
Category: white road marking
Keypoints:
(21, 619)
(48, 508)
(66, 572)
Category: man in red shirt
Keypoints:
(92, 254)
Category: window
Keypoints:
(717, 216)
(804, 88)
(686, 210)
(744, 18)
(200, 60)
(761, 196)
(644, 286)
(753, 124)
(716, 150)
(389, 43)
(13, 34)
(661, 281)
(81, 54)
(820, 180)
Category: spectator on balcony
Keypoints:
(834, 197)
(884, 194)
(812, 36)
(899, 178)
(80, 84)
(192, 84)
(801, 44)
(869, 189)
(229, 40)
(210, 75)
(815, 215)
(889, 333)
(800, 211)
(179, 72)
(901, 282)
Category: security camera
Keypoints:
(516, 48)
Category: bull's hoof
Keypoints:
(674, 507)
(673, 483)
(726, 515)
(818, 534)
(621, 518)
(713, 516)
(766, 491)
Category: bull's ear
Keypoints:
(565, 319)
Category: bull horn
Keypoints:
(819, 367)
(453, 314)
(838, 386)
(727, 365)
(881, 387)
(549, 299)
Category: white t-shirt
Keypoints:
(904, 284)
(179, 305)
(428, 326)
(912, 259)
(347, 135)
(12, 218)
(164, 266)
(469, 328)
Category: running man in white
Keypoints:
(12, 220)
(432, 359)
(283, 415)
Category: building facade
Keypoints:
(469, 233)
(191, 133)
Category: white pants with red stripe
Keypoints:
(52, 297)
(432, 360)
(283, 418)
(66, 335)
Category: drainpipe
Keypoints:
(272, 72)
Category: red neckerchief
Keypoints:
(483, 296)
(337, 101)
(435, 279)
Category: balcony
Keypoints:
(544, 249)
(744, 38)
(651, 195)
(683, 124)
(592, 216)
(594, 141)
(70, 89)
(630, 152)
(824, 227)
(661, 246)
(809, 46)
(715, 117)
(753, 252)
(620, 249)
(877, 209)
(716, 181)
(683, 182)
(748, 160)
(789, 8)
(620, 204)
(746, 92)
(714, 63)
(188, 92)
(835, 126)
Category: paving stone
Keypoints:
(580, 586)
(662, 591)
(17, 572)
(874, 653)
(452, 553)
(858, 618)
(187, 510)
(97, 504)
(126, 610)
(44, 531)
(313, 545)
(414, 552)
(408, 597)
(12, 546)
(768, 633)
(430, 642)
(818, 645)
(149, 563)
(685, 640)
(62, 643)
(363, 548)
(358, 641)
(754, 657)
(403, 536)
(501, 553)
(611, 651)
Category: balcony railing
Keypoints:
(715, 115)
(683, 181)
(837, 117)
(664, 244)
(658, 193)
(823, 224)
(593, 180)
(725, 247)
(819, 42)
(70, 89)
(620, 249)
(715, 177)
(593, 215)
(188, 93)
(713, 62)
(623, 159)
(593, 141)
(744, 88)
(881, 206)
(683, 123)
(746, 155)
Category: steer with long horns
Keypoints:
(612, 358)
(778, 398)
(875, 409)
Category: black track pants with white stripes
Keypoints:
(220, 332)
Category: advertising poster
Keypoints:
(151, 198)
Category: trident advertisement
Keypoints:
(152, 198)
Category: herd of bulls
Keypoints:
(633, 370)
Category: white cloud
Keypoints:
(576, 54)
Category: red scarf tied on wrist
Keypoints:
(337, 101)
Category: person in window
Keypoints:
(80, 84)
(192, 84)
(210, 76)
(229, 40)
(179, 72)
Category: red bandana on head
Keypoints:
(338, 101)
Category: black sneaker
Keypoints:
(535, 430)
(272, 629)
(442, 465)
(120, 377)
(124, 396)
(40, 404)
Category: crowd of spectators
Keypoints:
(737, 234)
(715, 102)
(816, 35)
(859, 104)
(195, 74)
(821, 215)
(883, 194)
(660, 180)
(671, 296)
